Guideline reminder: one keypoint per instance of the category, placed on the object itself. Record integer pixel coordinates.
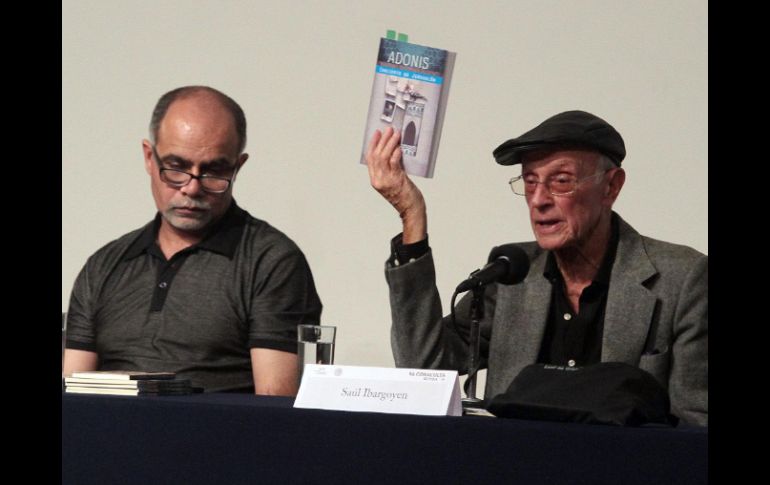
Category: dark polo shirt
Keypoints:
(246, 285)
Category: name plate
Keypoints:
(380, 389)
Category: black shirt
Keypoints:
(401, 253)
(575, 339)
(245, 285)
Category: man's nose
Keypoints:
(541, 196)
(193, 188)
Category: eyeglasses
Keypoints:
(558, 185)
(179, 178)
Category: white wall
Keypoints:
(303, 72)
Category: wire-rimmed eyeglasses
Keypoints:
(174, 177)
(558, 185)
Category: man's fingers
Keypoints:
(383, 157)
(392, 142)
(395, 158)
(373, 144)
(371, 163)
(382, 139)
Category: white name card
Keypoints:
(380, 389)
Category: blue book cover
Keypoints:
(409, 93)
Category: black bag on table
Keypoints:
(611, 393)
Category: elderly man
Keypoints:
(205, 290)
(596, 291)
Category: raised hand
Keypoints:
(387, 176)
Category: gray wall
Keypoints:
(303, 73)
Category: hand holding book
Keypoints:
(387, 176)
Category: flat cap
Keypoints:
(570, 129)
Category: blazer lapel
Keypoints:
(630, 306)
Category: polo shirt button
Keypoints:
(163, 285)
(567, 316)
(571, 363)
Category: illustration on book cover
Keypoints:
(411, 85)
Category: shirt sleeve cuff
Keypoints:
(77, 345)
(273, 345)
(401, 253)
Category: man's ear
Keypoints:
(242, 160)
(147, 152)
(616, 180)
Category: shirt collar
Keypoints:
(223, 238)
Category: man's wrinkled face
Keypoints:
(563, 221)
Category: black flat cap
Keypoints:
(571, 129)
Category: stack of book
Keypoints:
(127, 383)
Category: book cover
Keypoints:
(99, 390)
(122, 375)
(141, 384)
(409, 93)
(128, 392)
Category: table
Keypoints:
(239, 438)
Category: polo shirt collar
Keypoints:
(223, 238)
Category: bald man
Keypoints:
(205, 289)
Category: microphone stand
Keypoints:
(476, 313)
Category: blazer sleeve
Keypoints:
(420, 337)
(688, 381)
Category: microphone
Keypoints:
(507, 264)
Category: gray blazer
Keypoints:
(656, 318)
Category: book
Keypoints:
(96, 390)
(143, 384)
(122, 375)
(127, 392)
(161, 387)
(409, 93)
